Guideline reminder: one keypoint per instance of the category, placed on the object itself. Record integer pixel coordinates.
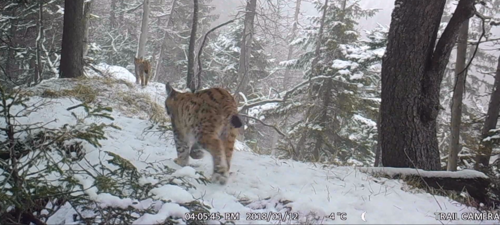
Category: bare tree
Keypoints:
(245, 47)
(112, 15)
(86, 15)
(486, 146)
(302, 140)
(72, 40)
(456, 105)
(412, 71)
(292, 38)
(144, 30)
(192, 40)
(39, 42)
(164, 42)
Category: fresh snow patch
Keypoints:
(106, 199)
(186, 172)
(167, 209)
(341, 64)
(116, 72)
(173, 193)
(357, 76)
(365, 120)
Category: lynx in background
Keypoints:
(142, 71)
(206, 119)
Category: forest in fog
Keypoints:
(310, 82)
(320, 81)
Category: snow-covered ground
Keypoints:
(262, 189)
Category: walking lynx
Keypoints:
(206, 119)
(142, 71)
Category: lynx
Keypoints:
(142, 71)
(206, 119)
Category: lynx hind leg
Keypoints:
(196, 151)
(182, 148)
(215, 147)
(229, 146)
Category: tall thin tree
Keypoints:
(144, 30)
(87, 7)
(485, 148)
(292, 38)
(192, 40)
(71, 64)
(456, 105)
(245, 47)
(158, 67)
(39, 42)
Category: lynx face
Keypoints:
(206, 119)
(142, 71)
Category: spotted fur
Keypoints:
(206, 119)
(142, 71)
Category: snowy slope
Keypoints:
(258, 184)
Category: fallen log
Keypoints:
(474, 182)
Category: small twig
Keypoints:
(421, 177)
(271, 126)
(483, 19)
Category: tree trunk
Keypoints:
(122, 11)
(377, 149)
(71, 64)
(378, 155)
(159, 68)
(39, 42)
(484, 153)
(292, 38)
(144, 30)
(192, 40)
(412, 71)
(86, 15)
(245, 47)
(456, 108)
(302, 140)
(112, 15)
(10, 61)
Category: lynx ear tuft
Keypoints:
(169, 90)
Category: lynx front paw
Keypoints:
(218, 178)
(181, 162)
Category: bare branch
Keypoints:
(289, 92)
(200, 68)
(271, 126)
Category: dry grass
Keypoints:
(118, 94)
(142, 102)
(82, 92)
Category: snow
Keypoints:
(116, 72)
(357, 76)
(167, 209)
(173, 193)
(341, 64)
(257, 110)
(258, 183)
(466, 174)
(365, 120)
